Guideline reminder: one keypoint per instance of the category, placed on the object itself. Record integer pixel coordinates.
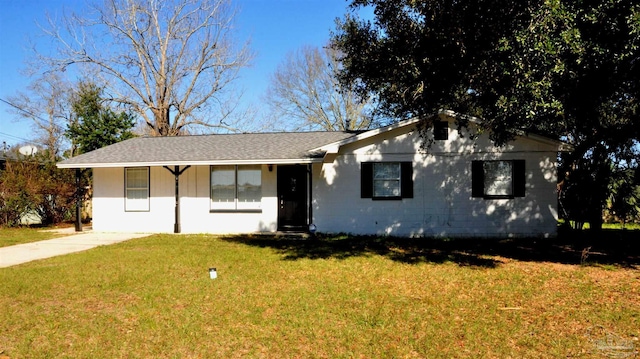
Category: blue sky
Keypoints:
(275, 28)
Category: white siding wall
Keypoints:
(109, 208)
(195, 216)
(442, 203)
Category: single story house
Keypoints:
(377, 182)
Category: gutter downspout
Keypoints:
(177, 172)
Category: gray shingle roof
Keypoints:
(209, 149)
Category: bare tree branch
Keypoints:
(305, 90)
(45, 104)
(169, 61)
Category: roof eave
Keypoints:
(335, 146)
(561, 146)
(279, 161)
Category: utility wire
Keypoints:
(12, 137)
(22, 109)
(28, 113)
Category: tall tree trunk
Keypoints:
(161, 126)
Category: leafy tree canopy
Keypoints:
(34, 185)
(96, 125)
(567, 69)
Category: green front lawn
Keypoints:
(337, 297)
(13, 236)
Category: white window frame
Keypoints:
(381, 182)
(498, 178)
(235, 203)
(132, 204)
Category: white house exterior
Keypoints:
(378, 182)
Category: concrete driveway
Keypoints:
(27, 252)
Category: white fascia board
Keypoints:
(562, 146)
(453, 114)
(335, 146)
(192, 163)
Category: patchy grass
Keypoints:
(333, 297)
(632, 226)
(19, 235)
(626, 226)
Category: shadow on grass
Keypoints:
(609, 247)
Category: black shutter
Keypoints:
(406, 179)
(519, 178)
(477, 179)
(366, 180)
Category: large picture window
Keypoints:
(386, 180)
(498, 179)
(136, 189)
(236, 188)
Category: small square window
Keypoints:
(386, 180)
(440, 130)
(498, 179)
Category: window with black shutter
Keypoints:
(386, 180)
(498, 179)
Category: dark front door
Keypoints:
(292, 197)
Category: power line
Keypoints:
(12, 137)
(22, 109)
